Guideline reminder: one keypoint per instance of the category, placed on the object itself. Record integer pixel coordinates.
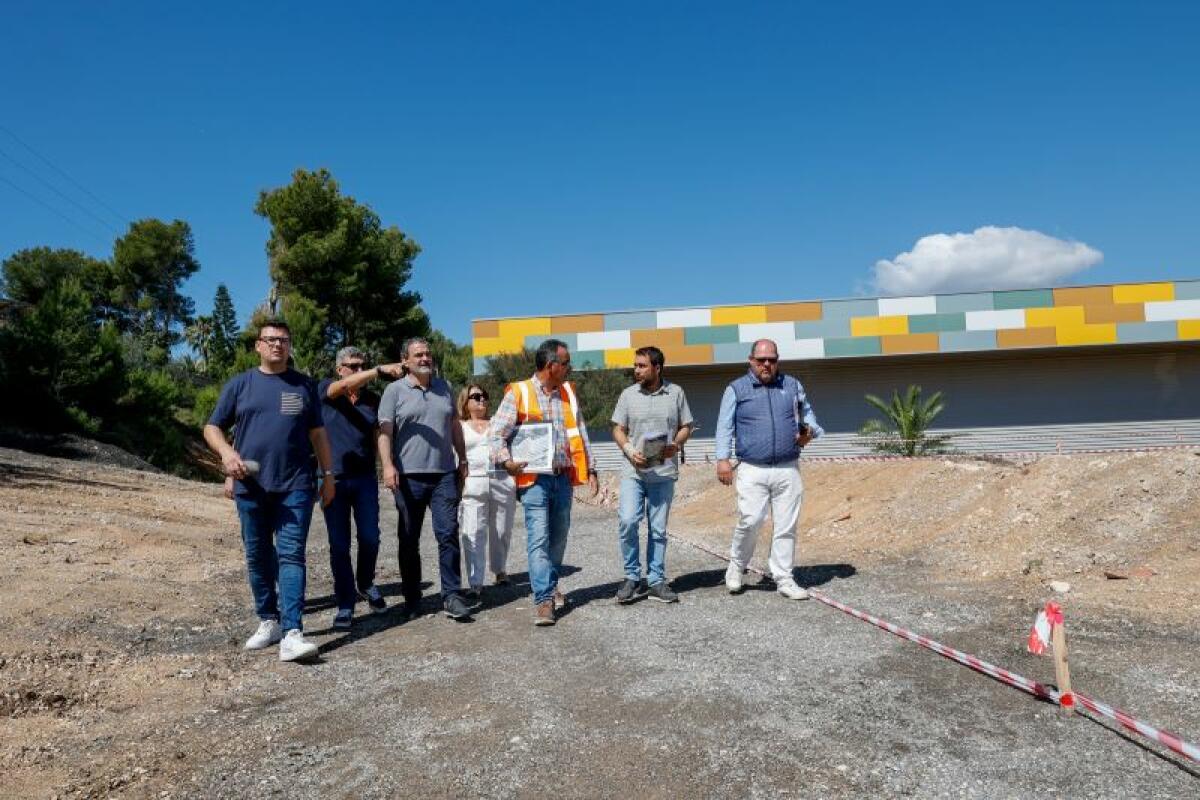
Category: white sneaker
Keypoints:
(268, 633)
(295, 647)
(790, 590)
(733, 578)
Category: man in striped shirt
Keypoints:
(546, 497)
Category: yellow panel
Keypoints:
(619, 358)
(879, 326)
(1053, 317)
(1189, 329)
(736, 315)
(495, 345)
(1143, 292)
(520, 328)
(1086, 334)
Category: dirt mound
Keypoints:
(1120, 528)
(75, 448)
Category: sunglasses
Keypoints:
(478, 397)
(354, 365)
(766, 359)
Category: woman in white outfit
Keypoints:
(489, 497)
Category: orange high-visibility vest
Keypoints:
(530, 410)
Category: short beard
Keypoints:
(421, 370)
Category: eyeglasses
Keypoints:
(478, 397)
(355, 365)
(280, 340)
(765, 359)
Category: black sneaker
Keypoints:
(474, 599)
(456, 608)
(374, 598)
(663, 593)
(344, 619)
(629, 591)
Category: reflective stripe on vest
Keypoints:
(529, 410)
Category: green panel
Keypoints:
(1023, 298)
(853, 346)
(588, 359)
(714, 334)
(937, 323)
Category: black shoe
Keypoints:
(474, 599)
(629, 591)
(409, 611)
(374, 598)
(663, 593)
(344, 619)
(456, 608)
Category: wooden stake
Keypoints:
(1062, 671)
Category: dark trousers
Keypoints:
(357, 495)
(437, 492)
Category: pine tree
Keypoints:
(224, 331)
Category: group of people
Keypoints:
(446, 457)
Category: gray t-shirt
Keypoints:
(424, 420)
(640, 412)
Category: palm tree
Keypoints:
(905, 427)
(199, 336)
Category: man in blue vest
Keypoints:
(770, 417)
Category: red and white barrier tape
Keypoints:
(1165, 738)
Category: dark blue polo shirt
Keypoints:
(273, 414)
(351, 430)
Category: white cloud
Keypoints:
(987, 258)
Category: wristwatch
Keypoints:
(327, 473)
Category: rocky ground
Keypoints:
(123, 604)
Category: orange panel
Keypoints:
(660, 338)
(577, 323)
(1027, 337)
(1121, 312)
(793, 312)
(1084, 296)
(910, 343)
(485, 329)
(688, 354)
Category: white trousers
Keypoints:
(758, 488)
(485, 520)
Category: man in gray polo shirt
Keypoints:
(419, 436)
(651, 415)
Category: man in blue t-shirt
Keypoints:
(350, 411)
(278, 422)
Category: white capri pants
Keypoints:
(485, 520)
(781, 489)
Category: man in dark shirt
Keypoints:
(350, 411)
(278, 418)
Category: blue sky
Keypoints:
(560, 157)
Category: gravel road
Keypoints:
(717, 696)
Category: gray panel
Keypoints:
(730, 352)
(1128, 332)
(952, 303)
(532, 341)
(835, 328)
(480, 365)
(630, 320)
(835, 309)
(1187, 290)
(959, 341)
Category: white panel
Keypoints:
(994, 320)
(802, 348)
(1172, 309)
(779, 331)
(685, 318)
(604, 340)
(900, 306)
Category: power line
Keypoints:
(124, 219)
(52, 209)
(54, 189)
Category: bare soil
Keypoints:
(123, 606)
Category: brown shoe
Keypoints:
(543, 614)
(560, 602)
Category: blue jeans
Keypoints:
(649, 498)
(358, 494)
(547, 505)
(437, 492)
(275, 533)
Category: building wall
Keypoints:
(1093, 385)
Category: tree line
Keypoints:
(112, 348)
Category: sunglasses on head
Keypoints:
(478, 397)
